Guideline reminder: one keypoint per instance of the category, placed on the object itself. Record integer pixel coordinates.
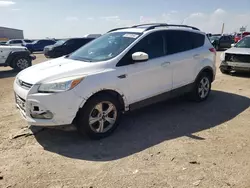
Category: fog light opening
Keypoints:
(44, 115)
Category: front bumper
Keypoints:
(237, 66)
(63, 106)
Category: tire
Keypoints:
(92, 109)
(21, 63)
(202, 88)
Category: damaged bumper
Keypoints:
(46, 109)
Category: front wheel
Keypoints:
(202, 88)
(21, 63)
(99, 117)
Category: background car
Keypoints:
(18, 42)
(238, 37)
(16, 57)
(2, 42)
(221, 42)
(236, 58)
(65, 47)
(39, 45)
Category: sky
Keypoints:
(76, 18)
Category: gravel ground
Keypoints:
(171, 144)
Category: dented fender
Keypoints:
(90, 94)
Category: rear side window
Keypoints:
(71, 42)
(48, 42)
(198, 40)
(16, 42)
(28, 41)
(180, 41)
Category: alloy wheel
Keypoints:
(102, 117)
(22, 63)
(204, 87)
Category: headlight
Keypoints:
(222, 56)
(60, 85)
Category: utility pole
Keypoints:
(222, 29)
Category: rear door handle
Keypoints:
(165, 64)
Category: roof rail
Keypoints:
(150, 24)
(154, 25)
(118, 29)
(171, 25)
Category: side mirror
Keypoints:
(139, 56)
(232, 45)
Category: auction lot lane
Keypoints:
(171, 144)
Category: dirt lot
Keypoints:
(172, 144)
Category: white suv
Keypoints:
(18, 42)
(123, 70)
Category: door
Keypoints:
(223, 42)
(184, 54)
(229, 41)
(150, 78)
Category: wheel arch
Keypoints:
(112, 92)
(13, 54)
(209, 70)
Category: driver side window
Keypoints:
(153, 45)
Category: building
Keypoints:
(9, 33)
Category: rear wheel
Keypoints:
(21, 63)
(202, 87)
(99, 117)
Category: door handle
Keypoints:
(165, 64)
(122, 76)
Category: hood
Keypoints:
(58, 68)
(238, 51)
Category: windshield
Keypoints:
(212, 38)
(105, 47)
(244, 43)
(60, 42)
(34, 42)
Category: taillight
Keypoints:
(212, 50)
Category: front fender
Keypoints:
(90, 94)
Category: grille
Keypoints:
(237, 58)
